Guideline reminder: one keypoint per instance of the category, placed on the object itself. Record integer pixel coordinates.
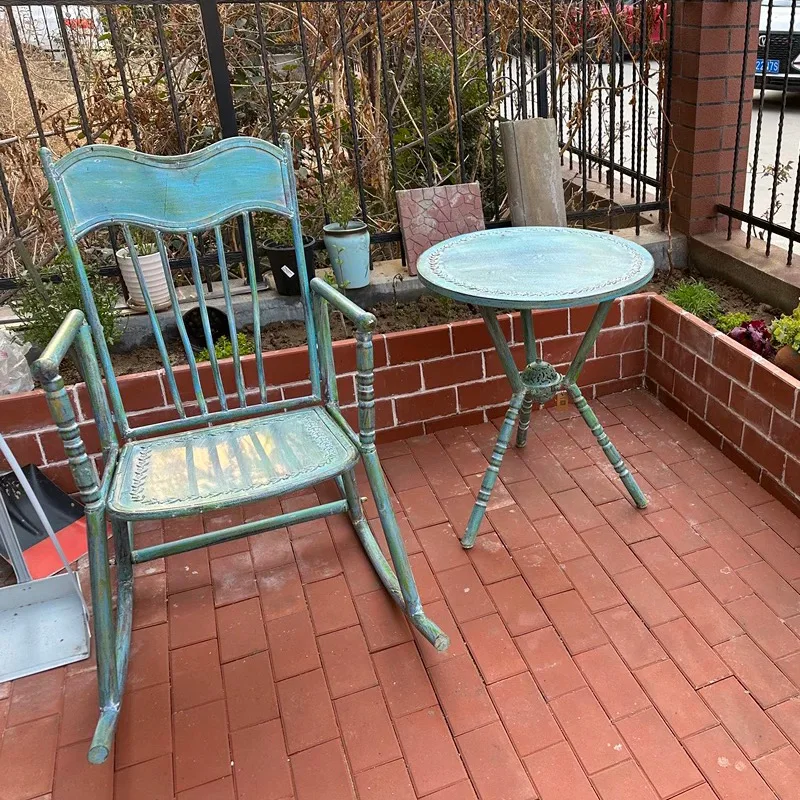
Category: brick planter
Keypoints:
(740, 402)
(425, 380)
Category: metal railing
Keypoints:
(384, 94)
(765, 180)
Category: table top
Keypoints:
(535, 267)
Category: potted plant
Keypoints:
(786, 332)
(278, 245)
(152, 272)
(347, 238)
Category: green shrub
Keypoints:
(727, 322)
(224, 349)
(786, 330)
(342, 203)
(42, 316)
(275, 230)
(696, 298)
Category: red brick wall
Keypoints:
(741, 403)
(425, 379)
(707, 80)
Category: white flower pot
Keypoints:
(154, 278)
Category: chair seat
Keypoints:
(228, 465)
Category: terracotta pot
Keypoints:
(789, 361)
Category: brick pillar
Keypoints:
(706, 83)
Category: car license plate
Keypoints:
(773, 66)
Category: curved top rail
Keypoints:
(104, 184)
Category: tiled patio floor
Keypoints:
(596, 651)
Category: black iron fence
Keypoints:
(378, 94)
(765, 183)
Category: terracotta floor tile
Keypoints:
(316, 557)
(250, 691)
(676, 531)
(458, 509)
(75, 778)
(588, 730)
(735, 513)
(594, 483)
(713, 621)
(561, 539)
(149, 600)
(651, 602)
(756, 672)
(404, 680)
(675, 698)
(346, 661)
(382, 621)
(306, 711)
(442, 547)
(440, 613)
(145, 726)
(732, 547)
(547, 658)
(429, 751)
(658, 752)
(38, 696)
(779, 595)
(403, 473)
(658, 474)
(240, 628)
(785, 560)
(513, 527)
(557, 774)
(518, 607)
(764, 627)
(492, 648)
(149, 660)
(386, 782)
(462, 695)
(575, 624)
(195, 675)
(358, 571)
(271, 549)
(607, 547)
(465, 594)
(331, 605)
(780, 770)
(612, 682)
(491, 559)
(629, 522)
(541, 572)
(201, 745)
(261, 765)
(79, 715)
(524, 713)
(292, 645)
(233, 578)
(221, 789)
(717, 576)
(546, 468)
(427, 587)
(749, 726)
(698, 662)
(725, 766)
(151, 779)
(781, 520)
(689, 504)
(694, 474)
(281, 591)
(787, 717)
(366, 728)
(633, 641)
(191, 617)
(493, 766)
(593, 584)
(27, 758)
(322, 772)
(578, 509)
(532, 498)
(623, 780)
(421, 507)
(663, 564)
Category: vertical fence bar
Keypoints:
(386, 98)
(262, 46)
(542, 106)
(523, 75)
(666, 134)
(489, 50)
(23, 66)
(462, 169)
(73, 71)
(119, 56)
(168, 76)
(642, 121)
(423, 104)
(220, 77)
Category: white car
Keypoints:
(39, 26)
(783, 54)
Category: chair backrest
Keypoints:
(98, 186)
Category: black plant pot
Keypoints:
(217, 323)
(283, 263)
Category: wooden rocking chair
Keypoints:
(222, 451)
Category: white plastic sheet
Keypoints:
(15, 374)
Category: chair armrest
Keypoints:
(363, 320)
(75, 333)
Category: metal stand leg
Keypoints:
(490, 476)
(612, 454)
(524, 420)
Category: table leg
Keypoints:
(529, 337)
(493, 470)
(589, 417)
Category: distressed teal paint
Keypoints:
(528, 268)
(215, 459)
